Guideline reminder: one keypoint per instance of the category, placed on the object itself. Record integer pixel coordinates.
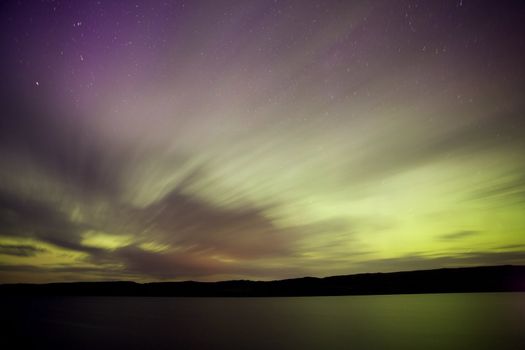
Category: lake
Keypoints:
(431, 321)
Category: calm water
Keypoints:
(435, 321)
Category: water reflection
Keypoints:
(437, 321)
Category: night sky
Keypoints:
(211, 140)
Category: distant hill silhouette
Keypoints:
(450, 280)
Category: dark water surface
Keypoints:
(432, 321)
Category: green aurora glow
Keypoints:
(225, 140)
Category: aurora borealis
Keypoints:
(210, 140)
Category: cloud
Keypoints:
(182, 220)
(167, 264)
(421, 261)
(512, 246)
(390, 155)
(20, 249)
(459, 235)
(68, 150)
(198, 238)
(28, 218)
(511, 188)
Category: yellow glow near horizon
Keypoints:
(105, 240)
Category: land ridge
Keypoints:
(504, 278)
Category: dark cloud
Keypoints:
(200, 229)
(512, 188)
(59, 145)
(459, 235)
(392, 155)
(512, 246)
(421, 262)
(21, 268)
(242, 232)
(165, 265)
(44, 273)
(198, 235)
(28, 218)
(20, 249)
